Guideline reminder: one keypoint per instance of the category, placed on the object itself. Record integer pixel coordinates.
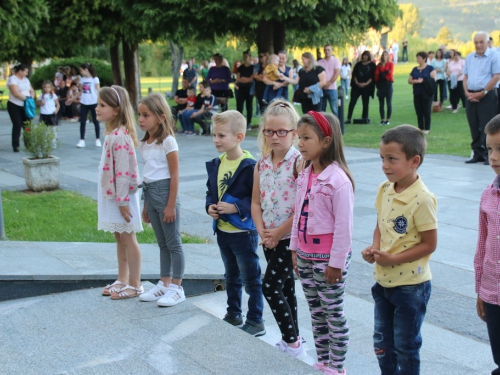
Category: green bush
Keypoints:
(47, 72)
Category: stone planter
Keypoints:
(42, 174)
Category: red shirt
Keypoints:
(388, 67)
(487, 258)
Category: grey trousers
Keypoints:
(168, 235)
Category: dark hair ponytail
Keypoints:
(90, 68)
(20, 67)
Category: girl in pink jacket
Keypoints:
(322, 234)
(117, 198)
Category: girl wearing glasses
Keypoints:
(273, 198)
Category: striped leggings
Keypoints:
(326, 304)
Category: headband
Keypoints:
(322, 122)
(118, 96)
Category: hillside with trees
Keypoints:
(461, 17)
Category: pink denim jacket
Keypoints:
(331, 203)
(120, 175)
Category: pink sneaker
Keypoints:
(332, 371)
(319, 366)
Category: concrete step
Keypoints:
(82, 332)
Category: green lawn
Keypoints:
(60, 216)
(449, 132)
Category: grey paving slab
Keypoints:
(128, 337)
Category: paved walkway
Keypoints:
(455, 340)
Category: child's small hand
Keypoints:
(480, 309)
(367, 255)
(272, 235)
(226, 208)
(125, 212)
(145, 216)
(281, 75)
(382, 258)
(294, 262)
(169, 214)
(212, 211)
(332, 275)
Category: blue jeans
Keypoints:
(345, 84)
(399, 314)
(331, 96)
(241, 265)
(493, 324)
(186, 121)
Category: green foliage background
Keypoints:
(47, 72)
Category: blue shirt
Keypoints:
(480, 69)
(416, 74)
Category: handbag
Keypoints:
(437, 107)
(30, 107)
(296, 96)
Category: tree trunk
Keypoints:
(279, 36)
(177, 52)
(131, 65)
(28, 60)
(114, 52)
(265, 33)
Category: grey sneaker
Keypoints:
(236, 321)
(255, 329)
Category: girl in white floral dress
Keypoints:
(272, 212)
(118, 208)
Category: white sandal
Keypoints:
(122, 294)
(112, 288)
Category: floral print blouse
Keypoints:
(277, 189)
(120, 174)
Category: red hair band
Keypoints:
(322, 122)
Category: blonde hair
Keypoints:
(117, 97)
(312, 61)
(273, 57)
(278, 107)
(335, 151)
(157, 104)
(234, 119)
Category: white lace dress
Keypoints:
(109, 218)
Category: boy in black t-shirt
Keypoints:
(62, 96)
(206, 106)
(180, 98)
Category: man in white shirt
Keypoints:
(395, 51)
(332, 69)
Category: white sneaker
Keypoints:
(158, 291)
(87, 121)
(98, 143)
(74, 120)
(81, 143)
(298, 352)
(173, 296)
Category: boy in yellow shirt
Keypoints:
(404, 239)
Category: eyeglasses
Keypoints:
(279, 133)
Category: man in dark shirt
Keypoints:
(62, 96)
(180, 98)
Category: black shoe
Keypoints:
(255, 329)
(486, 162)
(347, 122)
(475, 159)
(16, 149)
(236, 321)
